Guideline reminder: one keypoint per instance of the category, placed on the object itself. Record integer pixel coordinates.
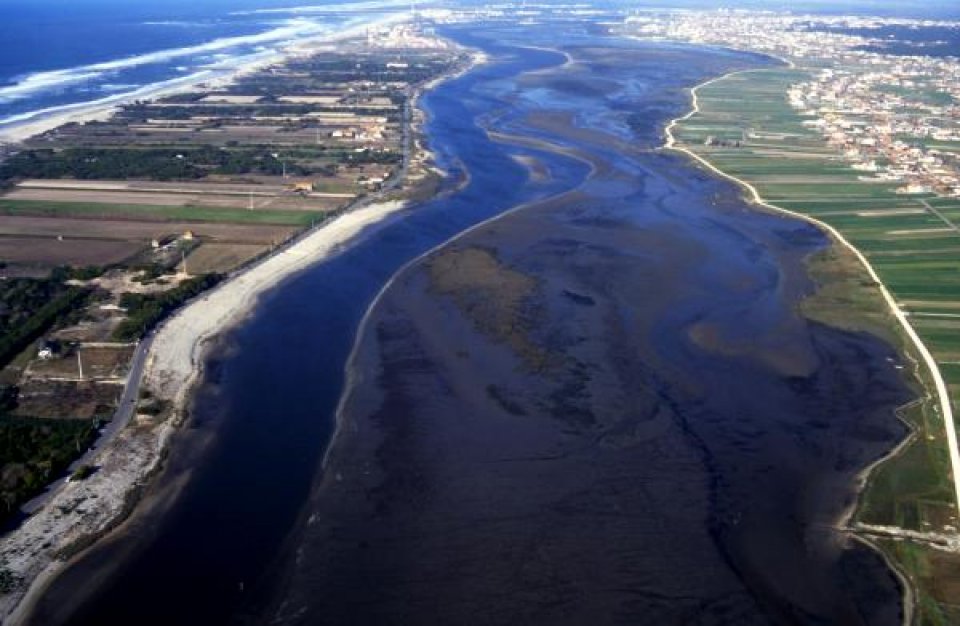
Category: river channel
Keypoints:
(601, 407)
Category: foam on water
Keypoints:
(224, 45)
(40, 81)
(140, 92)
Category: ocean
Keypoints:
(644, 479)
(58, 56)
(61, 55)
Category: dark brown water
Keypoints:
(599, 409)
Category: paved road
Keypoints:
(121, 417)
(406, 146)
(127, 404)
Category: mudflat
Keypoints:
(604, 407)
(600, 408)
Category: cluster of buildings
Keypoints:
(893, 116)
(887, 124)
(407, 36)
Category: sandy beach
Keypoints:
(99, 110)
(176, 361)
(82, 512)
(526, 410)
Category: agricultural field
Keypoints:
(222, 257)
(747, 129)
(33, 257)
(106, 227)
(289, 146)
(32, 244)
(153, 213)
(98, 361)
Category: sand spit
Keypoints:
(175, 361)
(83, 511)
(101, 110)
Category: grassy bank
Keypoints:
(747, 129)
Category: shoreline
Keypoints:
(49, 540)
(912, 339)
(45, 121)
(175, 366)
(353, 375)
(367, 425)
(836, 237)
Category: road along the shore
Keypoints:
(940, 387)
(81, 511)
(169, 363)
(126, 409)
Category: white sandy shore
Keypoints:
(175, 361)
(101, 110)
(86, 509)
(176, 358)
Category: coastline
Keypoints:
(754, 196)
(913, 340)
(177, 371)
(390, 388)
(175, 365)
(50, 539)
(99, 110)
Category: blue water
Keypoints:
(289, 419)
(249, 453)
(60, 54)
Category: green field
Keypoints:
(157, 213)
(747, 129)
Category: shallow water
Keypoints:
(604, 409)
(681, 456)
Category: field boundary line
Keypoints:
(754, 196)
